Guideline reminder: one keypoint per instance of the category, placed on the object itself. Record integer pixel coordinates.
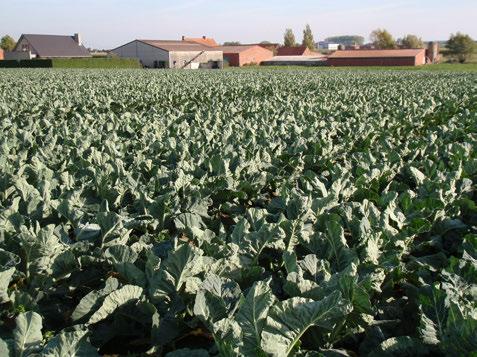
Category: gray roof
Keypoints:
(55, 46)
(178, 46)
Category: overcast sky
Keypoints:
(110, 23)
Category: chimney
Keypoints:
(183, 38)
(77, 38)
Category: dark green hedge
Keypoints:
(37, 63)
(72, 63)
(96, 63)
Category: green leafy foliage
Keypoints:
(256, 213)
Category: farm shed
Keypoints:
(410, 57)
(48, 46)
(295, 51)
(171, 54)
(238, 56)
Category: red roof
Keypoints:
(376, 53)
(201, 40)
(292, 51)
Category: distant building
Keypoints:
(204, 40)
(1, 54)
(412, 57)
(48, 46)
(324, 45)
(318, 60)
(238, 56)
(295, 51)
(171, 54)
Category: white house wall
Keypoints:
(147, 54)
(190, 59)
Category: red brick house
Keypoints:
(238, 56)
(295, 51)
(1, 54)
(408, 57)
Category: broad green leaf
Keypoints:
(69, 344)
(115, 300)
(92, 301)
(288, 320)
(5, 278)
(217, 299)
(180, 267)
(252, 316)
(400, 346)
(27, 335)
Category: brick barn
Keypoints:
(295, 51)
(238, 56)
(1, 54)
(409, 57)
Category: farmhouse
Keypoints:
(238, 56)
(295, 51)
(48, 46)
(171, 54)
(408, 57)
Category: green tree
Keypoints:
(7, 43)
(412, 41)
(232, 43)
(308, 39)
(382, 39)
(289, 38)
(347, 40)
(461, 46)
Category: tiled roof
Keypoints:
(201, 40)
(55, 46)
(376, 53)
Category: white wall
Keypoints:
(145, 53)
(207, 59)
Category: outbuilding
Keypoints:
(238, 56)
(296, 51)
(401, 57)
(31, 46)
(171, 54)
(1, 54)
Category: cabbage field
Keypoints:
(238, 213)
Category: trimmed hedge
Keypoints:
(72, 63)
(96, 63)
(37, 63)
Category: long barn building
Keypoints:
(171, 54)
(410, 57)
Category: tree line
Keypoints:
(460, 46)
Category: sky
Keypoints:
(106, 24)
